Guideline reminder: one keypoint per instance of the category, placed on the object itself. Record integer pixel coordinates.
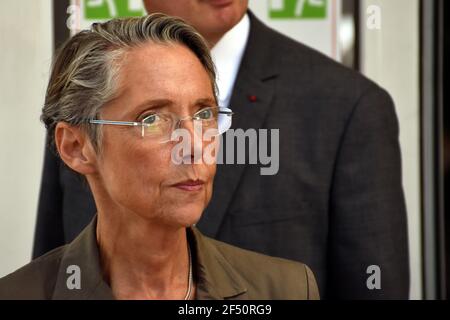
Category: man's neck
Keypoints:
(212, 40)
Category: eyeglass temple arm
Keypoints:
(228, 113)
(118, 123)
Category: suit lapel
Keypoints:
(251, 99)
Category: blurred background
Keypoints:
(403, 45)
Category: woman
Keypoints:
(116, 96)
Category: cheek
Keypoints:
(211, 171)
(132, 169)
(150, 168)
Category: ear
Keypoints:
(75, 148)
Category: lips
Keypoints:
(220, 3)
(190, 185)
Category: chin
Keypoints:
(188, 215)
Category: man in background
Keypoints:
(336, 202)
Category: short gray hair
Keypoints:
(85, 70)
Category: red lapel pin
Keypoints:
(252, 98)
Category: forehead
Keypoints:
(160, 65)
(162, 71)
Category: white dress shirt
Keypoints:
(227, 55)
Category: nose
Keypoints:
(194, 127)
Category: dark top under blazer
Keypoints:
(336, 203)
(222, 272)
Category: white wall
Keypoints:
(25, 57)
(390, 56)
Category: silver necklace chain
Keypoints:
(189, 289)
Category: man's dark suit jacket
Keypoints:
(222, 272)
(336, 203)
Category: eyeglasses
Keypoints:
(159, 126)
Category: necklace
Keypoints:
(189, 289)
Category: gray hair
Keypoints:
(85, 71)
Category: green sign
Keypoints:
(298, 9)
(108, 9)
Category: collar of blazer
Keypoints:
(216, 278)
(259, 68)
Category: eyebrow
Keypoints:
(205, 101)
(157, 104)
(154, 104)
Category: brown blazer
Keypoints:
(222, 271)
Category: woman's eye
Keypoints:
(206, 114)
(151, 119)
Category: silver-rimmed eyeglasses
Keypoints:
(160, 126)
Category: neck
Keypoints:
(212, 40)
(141, 259)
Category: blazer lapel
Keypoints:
(217, 279)
(251, 99)
(83, 254)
